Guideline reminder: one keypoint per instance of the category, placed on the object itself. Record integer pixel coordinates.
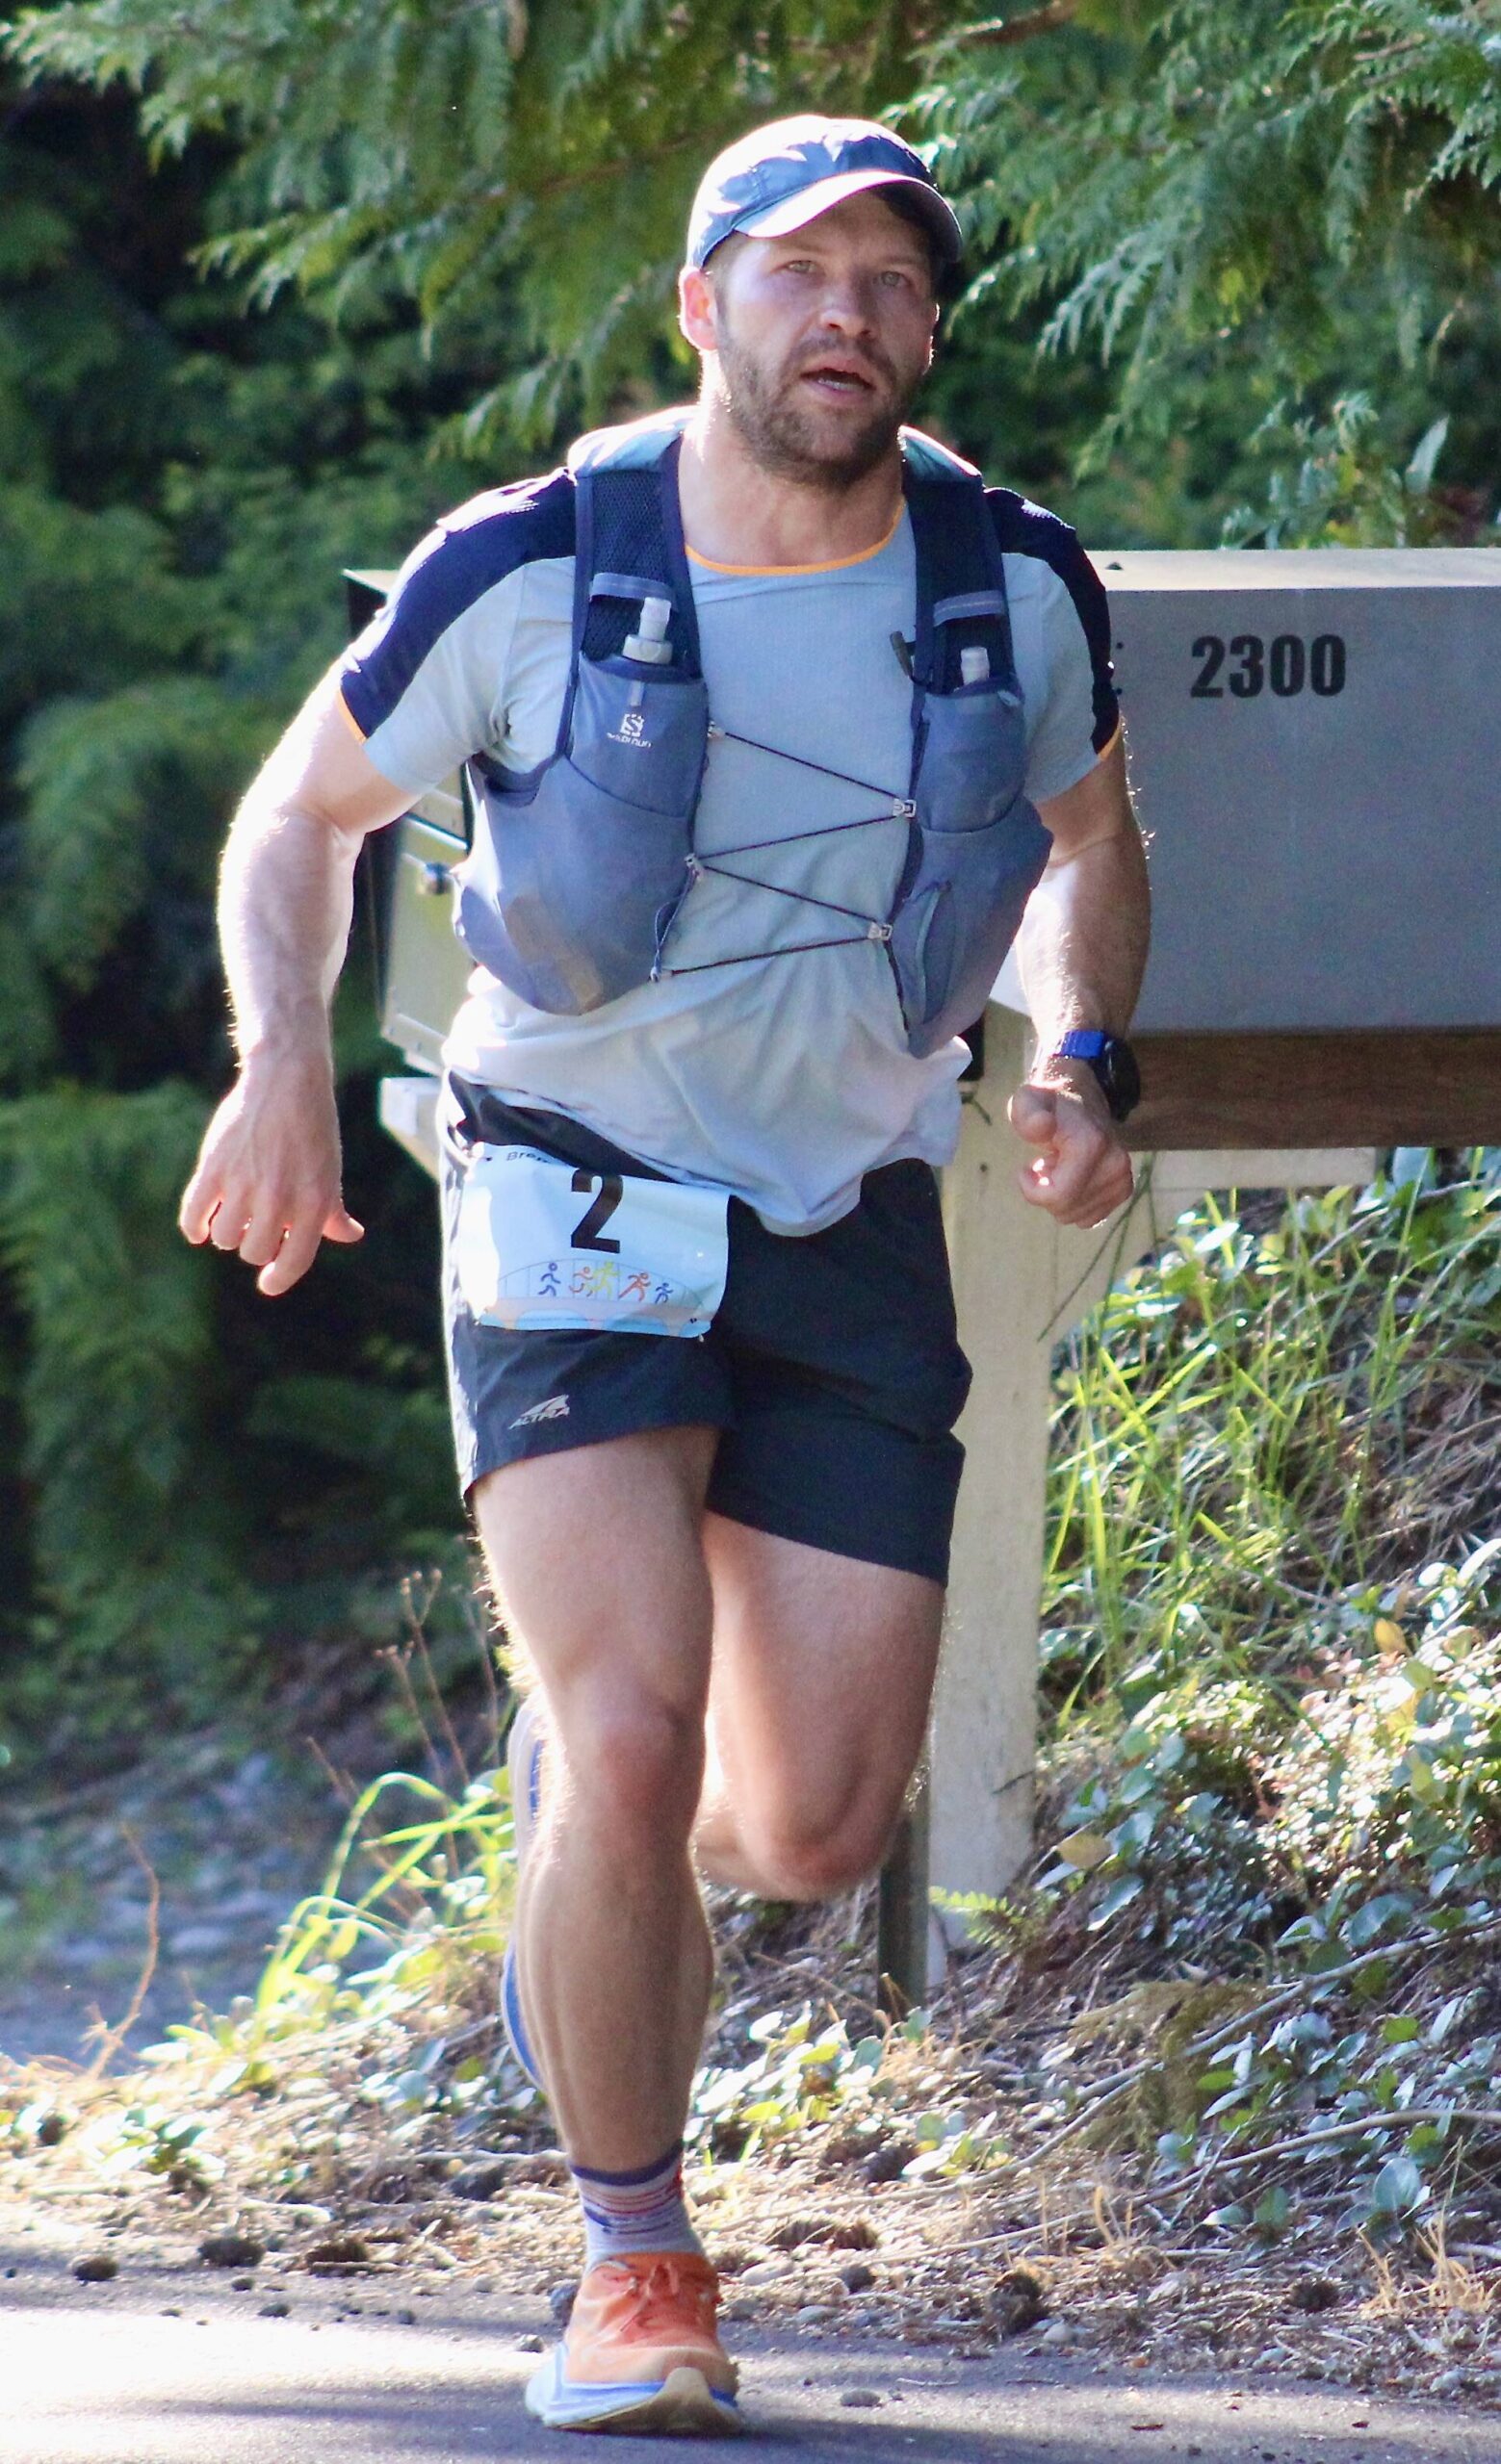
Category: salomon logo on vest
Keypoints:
(632, 730)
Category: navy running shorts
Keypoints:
(832, 1369)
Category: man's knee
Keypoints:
(634, 1759)
(802, 1856)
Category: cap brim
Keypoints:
(794, 212)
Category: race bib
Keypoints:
(540, 1244)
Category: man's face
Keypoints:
(822, 338)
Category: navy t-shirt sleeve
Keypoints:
(424, 683)
(1080, 714)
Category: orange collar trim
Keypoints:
(835, 564)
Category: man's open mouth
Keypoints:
(836, 380)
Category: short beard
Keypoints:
(782, 440)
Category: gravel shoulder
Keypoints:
(171, 2361)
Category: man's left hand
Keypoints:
(1081, 1171)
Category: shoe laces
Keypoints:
(654, 2296)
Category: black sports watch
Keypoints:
(1112, 1061)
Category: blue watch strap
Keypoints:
(1082, 1044)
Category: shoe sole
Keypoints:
(524, 1771)
(683, 2406)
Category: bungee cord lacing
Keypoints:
(876, 927)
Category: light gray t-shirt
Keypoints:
(783, 1075)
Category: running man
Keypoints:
(776, 723)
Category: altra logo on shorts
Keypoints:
(632, 730)
(556, 1408)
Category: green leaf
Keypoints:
(1366, 1924)
(1118, 1895)
(1419, 1676)
(1271, 2213)
(1398, 2186)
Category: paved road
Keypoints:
(105, 2379)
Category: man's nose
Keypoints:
(848, 304)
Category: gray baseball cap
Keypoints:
(780, 177)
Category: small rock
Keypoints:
(560, 2300)
(736, 2313)
(232, 2250)
(332, 2257)
(407, 2318)
(814, 2314)
(51, 2129)
(1062, 2331)
(482, 2181)
(1018, 2302)
(858, 2278)
(242, 2284)
(529, 2344)
(860, 2399)
(890, 2161)
(765, 2271)
(1314, 2293)
(97, 2269)
(275, 2310)
(546, 2166)
(847, 2147)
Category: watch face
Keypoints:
(1123, 1078)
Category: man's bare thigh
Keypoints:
(596, 1556)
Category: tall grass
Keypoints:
(1286, 1408)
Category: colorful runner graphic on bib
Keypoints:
(541, 1245)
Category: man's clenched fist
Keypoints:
(1081, 1171)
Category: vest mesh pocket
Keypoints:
(638, 733)
(980, 853)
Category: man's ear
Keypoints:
(697, 309)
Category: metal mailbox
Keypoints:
(1315, 740)
(421, 967)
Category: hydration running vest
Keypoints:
(580, 868)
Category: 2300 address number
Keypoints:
(1288, 665)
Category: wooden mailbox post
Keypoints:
(1315, 748)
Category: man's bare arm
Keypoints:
(269, 1182)
(1081, 951)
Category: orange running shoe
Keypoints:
(642, 2353)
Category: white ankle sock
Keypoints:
(640, 2211)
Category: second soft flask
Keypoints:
(649, 642)
(649, 647)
